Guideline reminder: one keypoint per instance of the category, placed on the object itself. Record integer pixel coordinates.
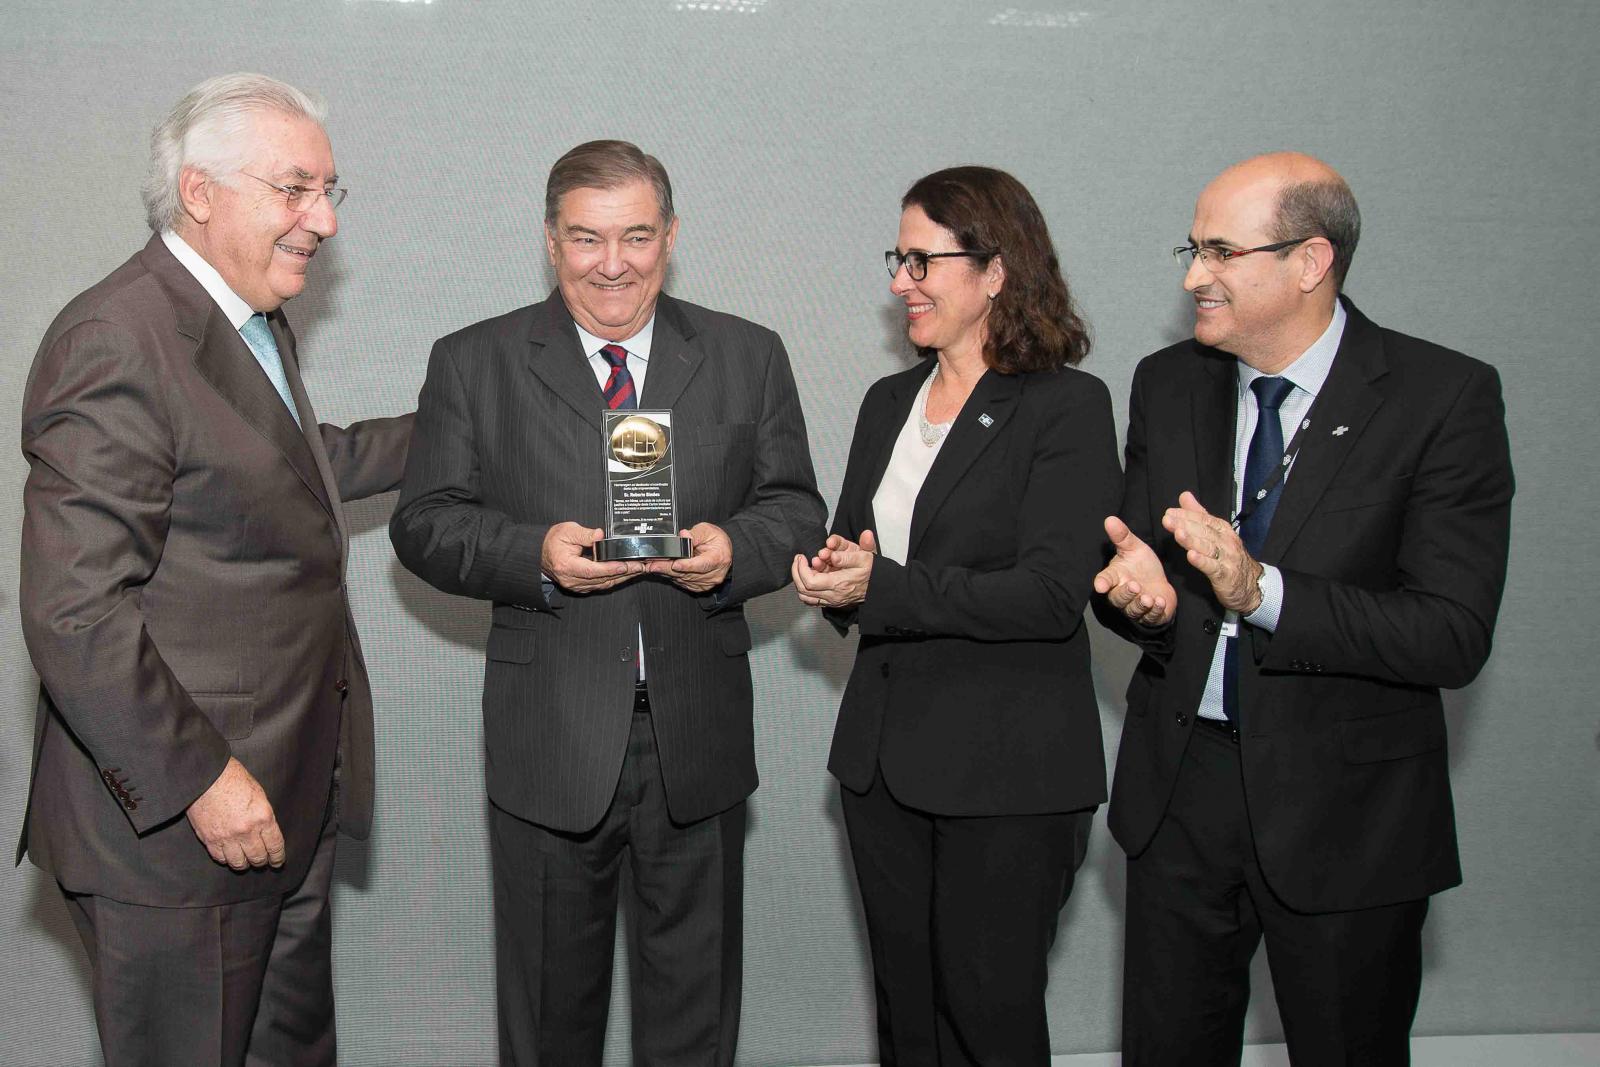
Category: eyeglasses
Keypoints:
(916, 263)
(302, 198)
(1216, 259)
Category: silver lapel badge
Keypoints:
(1340, 431)
(985, 420)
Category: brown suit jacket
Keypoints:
(183, 591)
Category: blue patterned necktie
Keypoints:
(618, 389)
(258, 335)
(1264, 457)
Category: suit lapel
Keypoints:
(983, 416)
(226, 362)
(1214, 406)
(674, 359)
(1347, 403)
(289, 352)
(886, 425)
(557, 360)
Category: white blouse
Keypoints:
(908, 468)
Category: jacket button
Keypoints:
(883, 669)
(131, 805)
(1183, 719)
(1209, 626)
(341, 687)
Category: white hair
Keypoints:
(205, 130)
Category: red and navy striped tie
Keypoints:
(618, 389)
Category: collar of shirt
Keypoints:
(1308, 373)
(231, 303)
(1310, 369)
(637, 345)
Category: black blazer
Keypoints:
(508, 443)
(971, 686)
(1391, 534)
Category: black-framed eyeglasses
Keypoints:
(302, 198)
(916, 263)
(1216, 259)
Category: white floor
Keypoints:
(1484, 1050)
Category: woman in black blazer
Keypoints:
(967, 534)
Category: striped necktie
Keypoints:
(618, 389)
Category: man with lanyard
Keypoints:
(1283, 773)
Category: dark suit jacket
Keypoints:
(971, 685)
(508, 444)
(1391, 534)
(183, 590)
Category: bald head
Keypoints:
(1305, 197)
(1284, 168)
(1280, 230)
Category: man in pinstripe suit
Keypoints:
(617, 698)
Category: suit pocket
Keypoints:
(1366, 495)
(733, 636)
(510, 646)
(233, 714)
(716, 433)
(1391, 737)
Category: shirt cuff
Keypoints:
(1265, 617)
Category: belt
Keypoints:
(641, 698)
(1225, 727)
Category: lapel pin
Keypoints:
(1340, 431)
(986, 420)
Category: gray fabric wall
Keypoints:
(790, 127)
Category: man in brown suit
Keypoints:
(204, 723)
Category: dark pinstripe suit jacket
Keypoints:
(508, 443)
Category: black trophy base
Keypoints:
(653, 546)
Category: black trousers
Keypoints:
(235, 984)
(555, 907)
(1346, 982)
(961, 913)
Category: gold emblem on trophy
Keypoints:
(638, 443)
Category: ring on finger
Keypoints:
(1216, 552)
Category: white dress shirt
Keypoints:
(638, 349)
(231, 303)
(1308, 373)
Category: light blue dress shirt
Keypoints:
(1308, 373)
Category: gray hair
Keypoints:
(606, 165)
(204, 130)
(1321, 208)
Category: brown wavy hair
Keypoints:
(1033, 323)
